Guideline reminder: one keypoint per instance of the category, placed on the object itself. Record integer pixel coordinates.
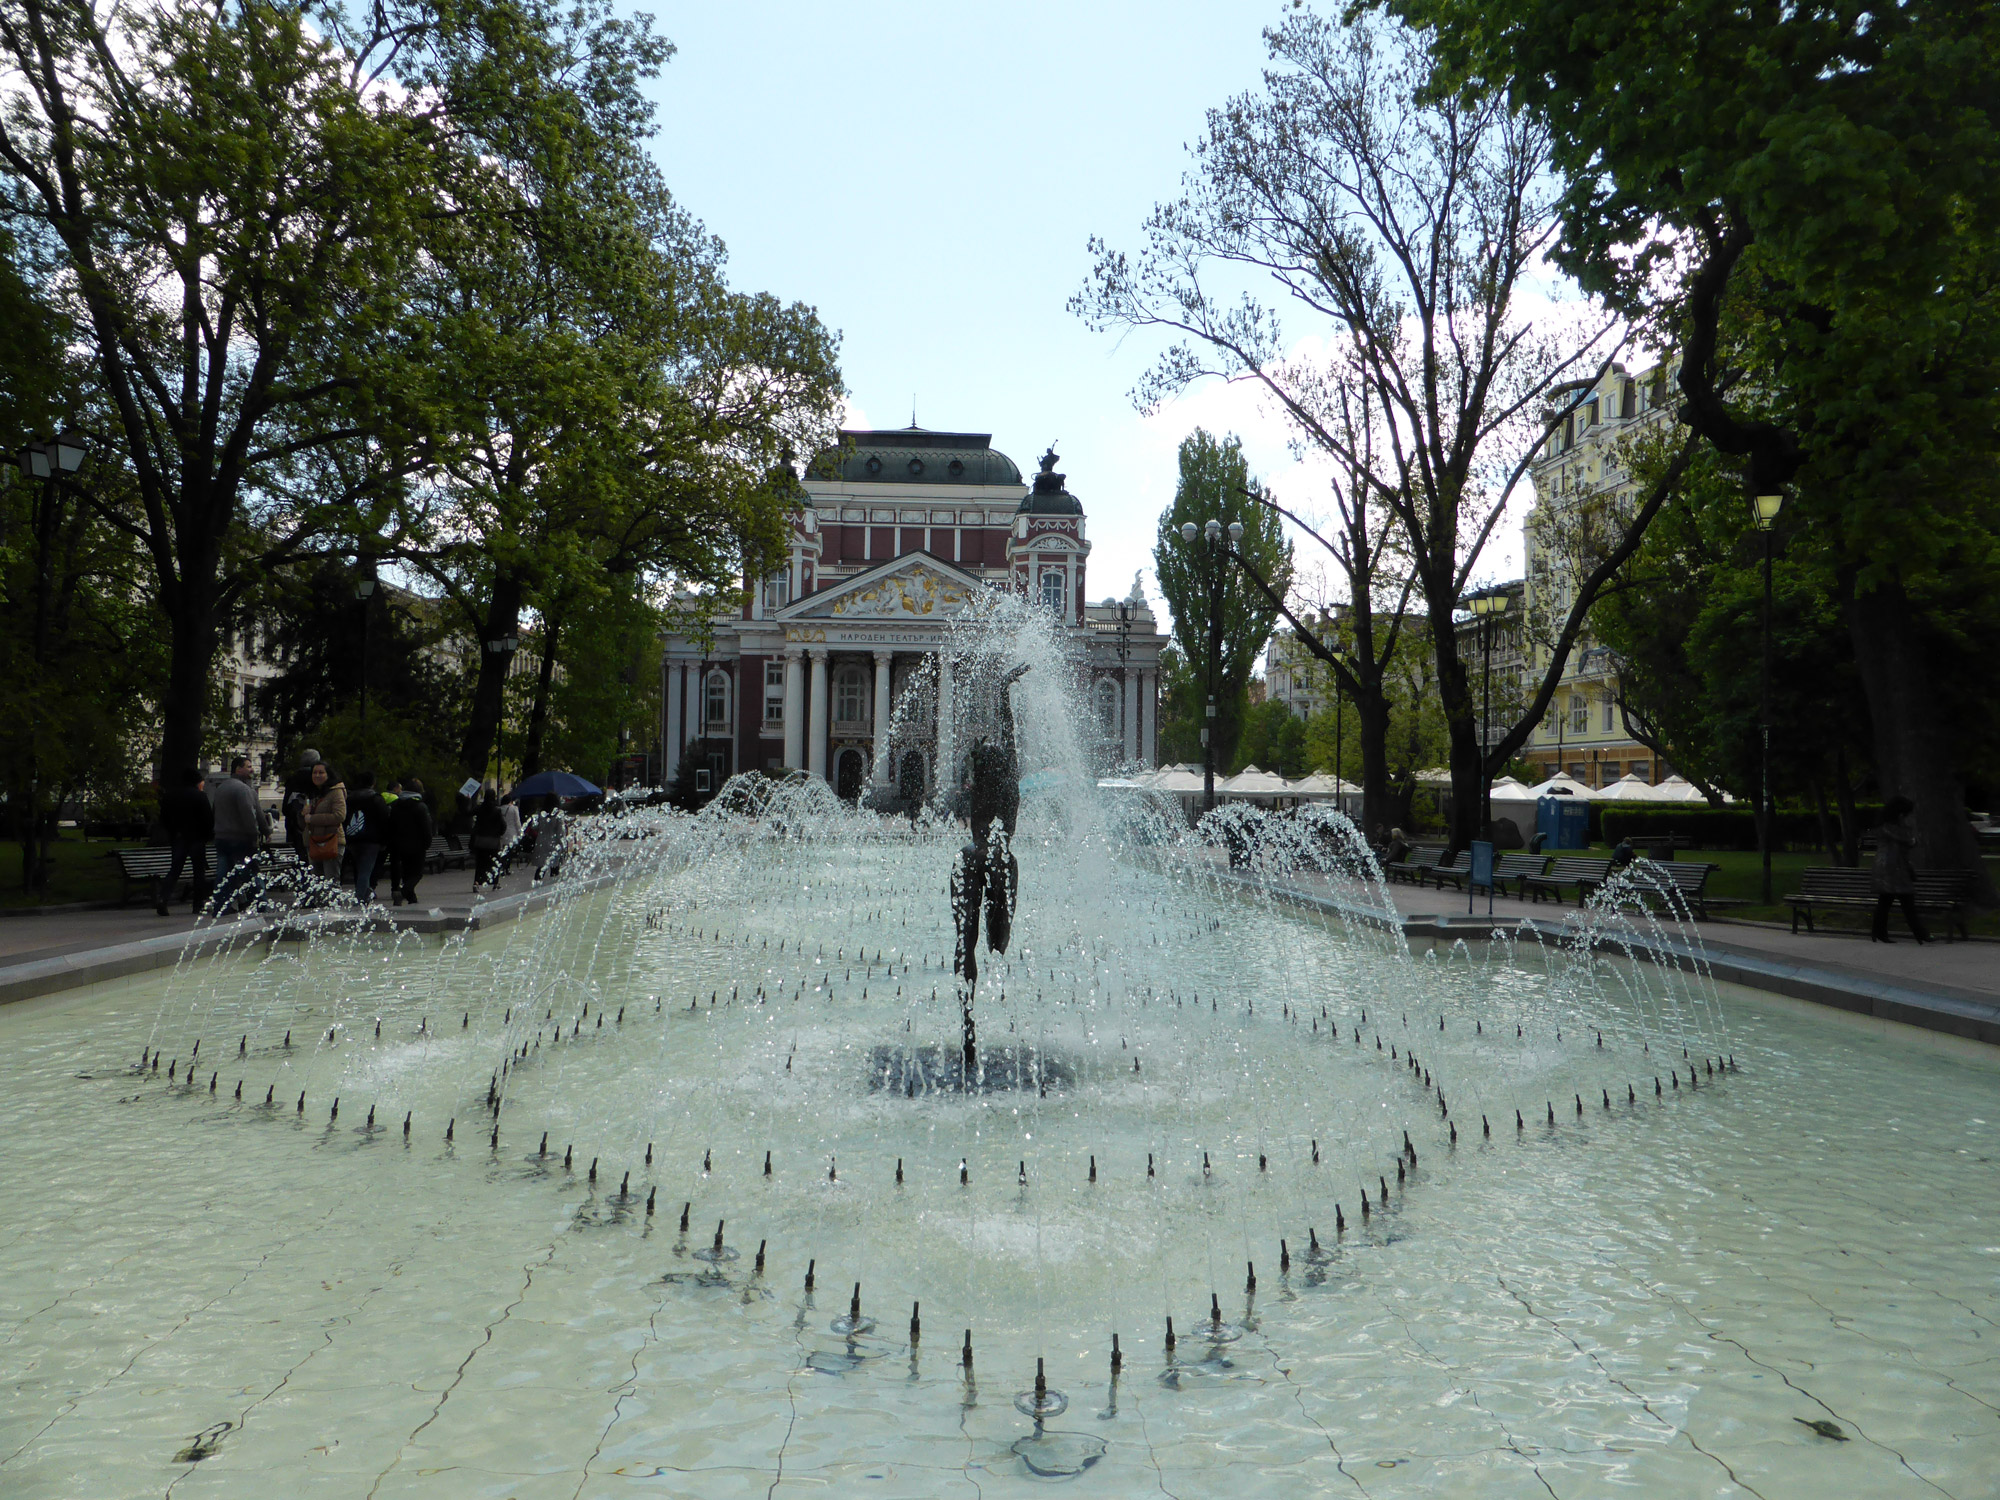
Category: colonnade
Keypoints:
(808, 718)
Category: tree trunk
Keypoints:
(1913, 744)
(1372, 711)
(191, 626)
(538, 716)
(503, 619)
(1825, 818)
(1850, 821)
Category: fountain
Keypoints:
(1185, 1066)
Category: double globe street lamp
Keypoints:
(1217, 554)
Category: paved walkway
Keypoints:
(42, 952)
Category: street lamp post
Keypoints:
(363, 588)
(1124, 654)
(49, 461)
(501, 646)
(1218, 550)
(1765, 509)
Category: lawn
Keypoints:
(83, 872)
(1741, 874)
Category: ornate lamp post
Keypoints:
(1765, 509)
(1218, 551)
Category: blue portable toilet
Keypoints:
(1563, 822)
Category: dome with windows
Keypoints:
(915, 455)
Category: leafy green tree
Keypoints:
(77, 655)
(229, 209)
(1805, 203)
(1273, 739)
(1215, 484)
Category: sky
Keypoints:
(928, 176)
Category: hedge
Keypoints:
(1715, 827)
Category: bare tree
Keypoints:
(1408, 227)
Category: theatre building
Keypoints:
(899, 532)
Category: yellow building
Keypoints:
(1583, 487)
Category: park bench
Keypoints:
(1651, 880)
(1456, 872)
(1416, 866)
(1506, 867)
(1831, 888)
(145, 868)
(444, 855)
(1566, 871)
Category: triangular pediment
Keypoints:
(915, 587)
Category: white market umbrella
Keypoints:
(1628, 788)
(1559, 786)
(1253, 782)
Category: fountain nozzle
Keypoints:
(1250, 1280)
(1284, 1257)
(651, 1193)
(809, 1273)
(760, 1256)
(684, 1225)
(1117, 1355)
(965, 1357)
(1170, 1335)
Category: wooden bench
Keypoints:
(1566, 871)
(148, 867)
(1829, 888)
(1457, 872)
(1416, 866)
(1651, 879)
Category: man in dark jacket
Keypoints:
(367, 833)
(410, 829)
(238, 827)
(189, 821)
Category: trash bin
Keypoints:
(1563, 822)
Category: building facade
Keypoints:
(1584, 484)
(900, 531)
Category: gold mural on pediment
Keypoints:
(913, 593)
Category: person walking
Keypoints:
(298, 797)
(410, 828)
(367, 833)
(324, 821)
(489, 837)
(1895, 881)
(189, 821)
(237, 829)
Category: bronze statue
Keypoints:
(986, 876)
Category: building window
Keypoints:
(850, 696)
(1107, 707)
(1643, 769)
(716, 699)
(1608, 710)
(774, 692)
(778, 590)
(1579, 714)
(1053, 589)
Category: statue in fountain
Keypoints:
(986, 876)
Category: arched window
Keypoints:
(1054, 588)
(715, 694)
(1107, 707)
(850, 696)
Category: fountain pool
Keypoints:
(1653, 1294)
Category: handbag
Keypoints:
(323, 846)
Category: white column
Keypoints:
(1128, 712)
(947, 758)
(1149, 687)
(882, 661)
(816, 725)
(676, 674)
(795, 708)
